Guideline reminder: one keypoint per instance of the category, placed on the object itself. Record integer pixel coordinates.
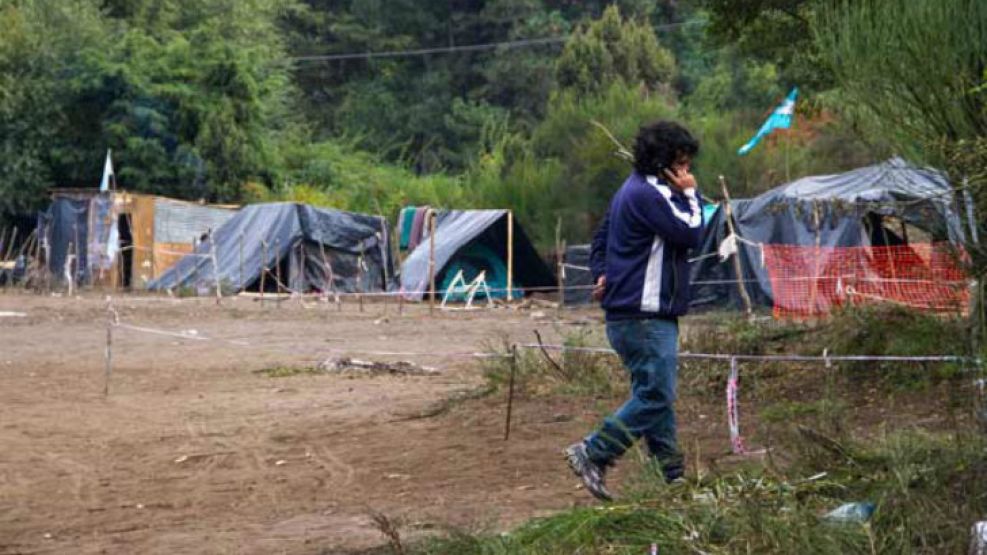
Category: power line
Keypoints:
(523, 43)
(424, 51)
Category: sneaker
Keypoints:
(591, 473)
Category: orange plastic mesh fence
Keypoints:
(810, 281)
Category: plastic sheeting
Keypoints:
(577, 275)
(455, 229)
(64, 231)
(318, 249)
(850, 207)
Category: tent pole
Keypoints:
(737, 268)
(510, 255)
(431, 262)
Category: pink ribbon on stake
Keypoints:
(733, 414)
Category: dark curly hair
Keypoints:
(659, 144)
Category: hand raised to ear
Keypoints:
(681, 180)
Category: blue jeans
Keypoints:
(649, 351)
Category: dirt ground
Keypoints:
(196, 451)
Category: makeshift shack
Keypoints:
(885, 232)
(288, 247)
(471, 242)
(117, 238)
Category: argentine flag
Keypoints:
(781, 118)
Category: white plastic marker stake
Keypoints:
(733, 414)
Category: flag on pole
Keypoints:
(104, 185)
(781, 118)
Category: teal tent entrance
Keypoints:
(475, 241)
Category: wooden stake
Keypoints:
(215, 270)
(277, 270)
(359, 281)
(510, 255)
(10, 245)
(109, 348)
(510, 392)
(263, 270)
(431, 262)
(69, 274)
(737, 267)
(240, 288)
(814, 290)
(560, 266)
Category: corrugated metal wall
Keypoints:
(181, 222)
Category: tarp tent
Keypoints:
(474, 241)
(870, 206)
(318, 249)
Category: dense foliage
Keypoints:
(240, 101)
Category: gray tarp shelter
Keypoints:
(64, 231)
(318, 249)
(869, 206)
(474, 241)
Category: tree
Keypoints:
(773, 31)
(188, 94)
(611, 49)
(916, 80)
(41, 50)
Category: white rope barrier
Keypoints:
(737, 443)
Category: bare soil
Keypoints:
(197, 450)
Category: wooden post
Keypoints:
(69, 273)
(383, 243)
(277, 271)
(510, 392)
(560, 265)
(263, 270)
(3, 242)
(75, 227)
(737, 267)
(154, 248)
(38, 264)
(814, 289)
(359, 280)
(240, 287)
(215, 270)
(109, 347)
(510, 255)
(431, 262)
(10, 245)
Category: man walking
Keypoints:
(639, 260)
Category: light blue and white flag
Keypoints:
(104, 185)
(781, 118)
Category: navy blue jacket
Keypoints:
(642, 249)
